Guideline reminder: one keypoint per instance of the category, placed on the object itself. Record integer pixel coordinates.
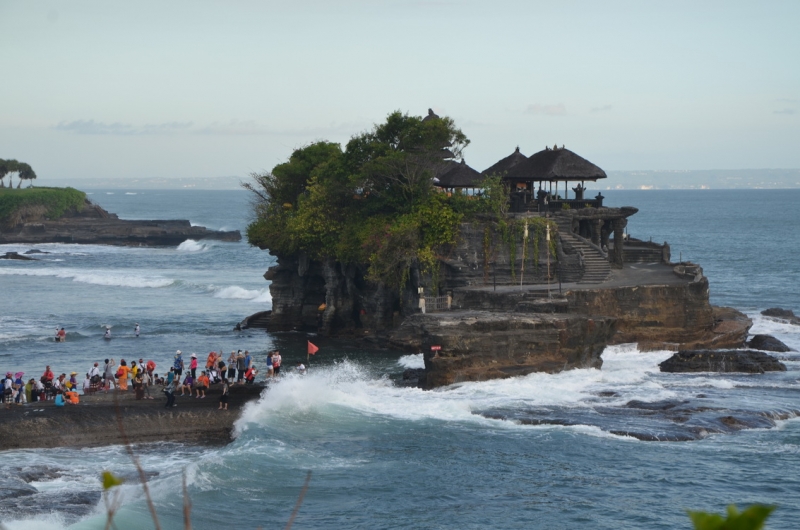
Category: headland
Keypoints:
(65, 215)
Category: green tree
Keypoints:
(25, 172)
(372, 203)
(7, 167)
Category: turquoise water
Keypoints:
(384, 456)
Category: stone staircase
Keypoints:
(596, 266)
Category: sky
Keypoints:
(206, 89)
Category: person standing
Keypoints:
(193, 366)
(231, 367)
(8, 390)
(223, 399)
(107, 334)
(61, 335)
(241, 367)
(270, 366)
(47, 381)
(136, 330)
(109, 372)
(276, 362)
(177, 365)
(151, 367)
(122, 375)
(169, 391)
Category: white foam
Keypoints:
(411, 361)
(94, 277)
(190, 245)
(235, 292)
(130, 193)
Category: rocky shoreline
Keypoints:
(94, 225)
(95, 421)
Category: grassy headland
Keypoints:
(19, 205)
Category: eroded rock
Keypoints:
(767, 343)
(743, 361)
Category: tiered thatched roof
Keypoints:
(504, 166)
(458, 175)
(557, 164)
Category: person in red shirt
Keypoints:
(47, 381)
(193, 365)
(202, 385)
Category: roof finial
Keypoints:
(517, 150)
(555, 147)
(430, 112)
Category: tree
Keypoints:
(25, 172)
(372, 203)
(6, 168)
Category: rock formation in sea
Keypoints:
(494, 326)
(91, 224)
(745, 361)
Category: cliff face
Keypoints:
(513, 329)
(477, 345)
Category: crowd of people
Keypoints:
(140, 377)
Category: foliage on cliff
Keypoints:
(372, 202)
(23, 171)
(17, 205)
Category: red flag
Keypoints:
(311, 348)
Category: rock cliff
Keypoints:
(94, 225)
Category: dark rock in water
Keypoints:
(608, 393)
(15, 487)
(778, 312)
(16, 255)
(413, 377)
(767, 343)
(35, 251)
(745, 361)
(654, 405)
(783, 314)
(256, 320)
(37, 473)
(71, 504)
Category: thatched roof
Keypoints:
(555, 164)
(431, 116)
(458, 175)
(504, 166)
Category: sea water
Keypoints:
(530, 452)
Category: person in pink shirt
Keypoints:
(193, 366)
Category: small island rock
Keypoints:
(744, 361)
(767, 343)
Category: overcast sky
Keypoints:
(99, 89)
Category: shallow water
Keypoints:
(384, 456)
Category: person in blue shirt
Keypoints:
(59, 400)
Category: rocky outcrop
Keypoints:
(477, 346)
(745, 361)
(782, 314)
(16, 255)
(93, 225)
(767, 343)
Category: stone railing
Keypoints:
(431, 304)
(689, 271)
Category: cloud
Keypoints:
(547, 110)
(120, 129)
(228, 128)
(601, 109)
(784, 111)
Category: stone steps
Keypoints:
(597, 269)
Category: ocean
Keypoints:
(541, 451)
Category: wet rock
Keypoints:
(783, 314)
(15, 487)
(37, 473)
(73, 505)
(767, 343)
(608, 393)
(35, 251)
(16, 255)
(723, 361)
(654, 405)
